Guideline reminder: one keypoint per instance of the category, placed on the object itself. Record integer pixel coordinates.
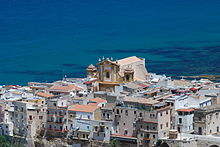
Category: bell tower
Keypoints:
(91, 71)
(128, 74)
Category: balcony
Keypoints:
(148, 131)
(139, 118)
(30, 121)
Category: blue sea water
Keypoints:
(42, 40)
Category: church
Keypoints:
(111, 73)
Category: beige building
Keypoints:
(144, 119)
(57, 116)
(28, 118)
(112, 73)
(206, 120)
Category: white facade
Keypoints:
(85, 115)
(92, 129)
(184, 121)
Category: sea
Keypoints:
(44, 40)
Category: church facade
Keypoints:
(111, 73)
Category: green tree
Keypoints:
(4, 142)
(115, 143)
(158, 143)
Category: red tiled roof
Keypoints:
(121, 135)
(90, 82)
(66, 88)
(43, 94)
(185, 110)
(193, 89)
(93, 104)
(98, 100)
(83, 108)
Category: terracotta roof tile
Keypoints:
(141, 100)
(98, 100)
(128, 60)
(43, 94)
(66, 88)
(185, 110)
(83, 108)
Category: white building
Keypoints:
(184, 120)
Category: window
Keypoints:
(126, 112)
(107, 75)
(180, 120)
(30, 117)
(167, 124)
(167, 112)
(96, 128)
(217, 129)
(200, 118)
(127, 77)
(126, 132)
(161, 126)
(88, 117)
(154, 136)
(200, 131)
(140, 114)
(147, 127)
(40, 117)
(117, 111)
(161, 114)
(134, 112)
